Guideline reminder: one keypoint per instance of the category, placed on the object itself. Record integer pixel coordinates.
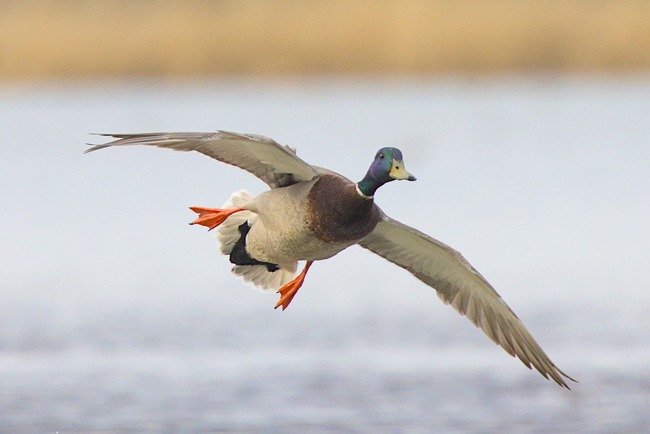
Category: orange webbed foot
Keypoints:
(212, 217)
(289, 290)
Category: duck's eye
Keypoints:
(381, 156)
(396, 167)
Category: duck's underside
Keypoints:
(214, 217)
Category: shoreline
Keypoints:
(43, 39)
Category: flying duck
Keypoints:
(310, 214)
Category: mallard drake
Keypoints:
(310, 214)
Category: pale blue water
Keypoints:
(115, 315)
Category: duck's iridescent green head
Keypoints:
(387, 166)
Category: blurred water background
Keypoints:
(527, 124)
(118, 316)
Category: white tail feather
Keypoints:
(262, 278)
(228, 233)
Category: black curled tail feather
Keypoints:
(239, 255)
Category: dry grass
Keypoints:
(53, 39)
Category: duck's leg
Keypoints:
(289, 290)
(212, 217)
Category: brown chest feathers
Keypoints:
(337, 213)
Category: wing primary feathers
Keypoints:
(458, 284)
(275, 164)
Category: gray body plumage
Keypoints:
(290, 222)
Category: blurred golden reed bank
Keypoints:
(41, 39)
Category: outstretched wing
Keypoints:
(276, 165)
(459, 284)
